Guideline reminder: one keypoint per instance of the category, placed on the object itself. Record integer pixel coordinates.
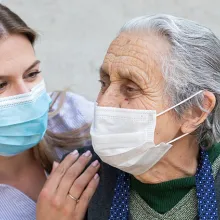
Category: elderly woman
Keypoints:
(157, 123)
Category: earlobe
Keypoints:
(188, 127)
(195, 117)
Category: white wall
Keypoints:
(75, 34)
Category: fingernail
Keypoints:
(87, 153)
(95, 163)
(55, 165)
(75, 152)
(96, 176)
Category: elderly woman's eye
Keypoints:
(130, 89)
(103, 84)
(3, 85)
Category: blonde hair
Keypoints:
(45, 151)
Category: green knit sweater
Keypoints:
(164, 196)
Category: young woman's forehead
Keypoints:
(16, 55)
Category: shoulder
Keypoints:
(101, 201)
(69, 111)
(216, 173)
(217, 190)
(20, 207)
(100, 204)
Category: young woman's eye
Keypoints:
(3, 85)
(33, 74)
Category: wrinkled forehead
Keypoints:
(135, 52)
(135, 57)
(137, 49)
(128, 39)
(145, 42)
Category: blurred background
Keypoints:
(75, 34)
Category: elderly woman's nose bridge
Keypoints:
(112, 97)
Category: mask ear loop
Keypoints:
(176, 139)
(161, 113)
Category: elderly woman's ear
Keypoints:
(194, 117)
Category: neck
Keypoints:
(179, 162)
(15, 165)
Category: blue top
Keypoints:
(75, 112)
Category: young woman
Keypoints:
(24, 163)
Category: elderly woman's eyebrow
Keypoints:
(103, 72)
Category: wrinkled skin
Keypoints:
(131, 77)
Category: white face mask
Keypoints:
(124, 138)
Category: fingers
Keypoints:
(58, 173)
(86, 196)
(72, 174)
(68, 177)
(81, 182)
(55, 165)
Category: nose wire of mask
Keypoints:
(124, 138)
(23, 120)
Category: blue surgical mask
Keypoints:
(23, 120)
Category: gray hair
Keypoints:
(193, 64)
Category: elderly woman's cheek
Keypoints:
(167, 128)
(139, 102)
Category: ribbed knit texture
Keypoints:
(164, 196)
